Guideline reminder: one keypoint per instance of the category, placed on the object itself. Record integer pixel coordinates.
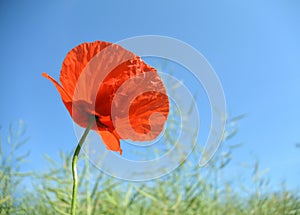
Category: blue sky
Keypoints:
(253, 46)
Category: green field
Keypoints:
(188, 190)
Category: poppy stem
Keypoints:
(74, 165)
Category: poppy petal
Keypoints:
(147, 115)
(110, 140)
(75, 62)
(91, 77)
(86, 66)
(116, 78)
(64, 95)
(140, 107)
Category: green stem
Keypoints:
(74, 165)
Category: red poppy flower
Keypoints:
(125, 96)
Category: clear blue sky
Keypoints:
(254, 47)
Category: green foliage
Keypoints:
(189, 190)
(10, 174)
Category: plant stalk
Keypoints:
(74, 165)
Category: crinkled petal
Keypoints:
(140, 107)
(75, 62)
(87, 65)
